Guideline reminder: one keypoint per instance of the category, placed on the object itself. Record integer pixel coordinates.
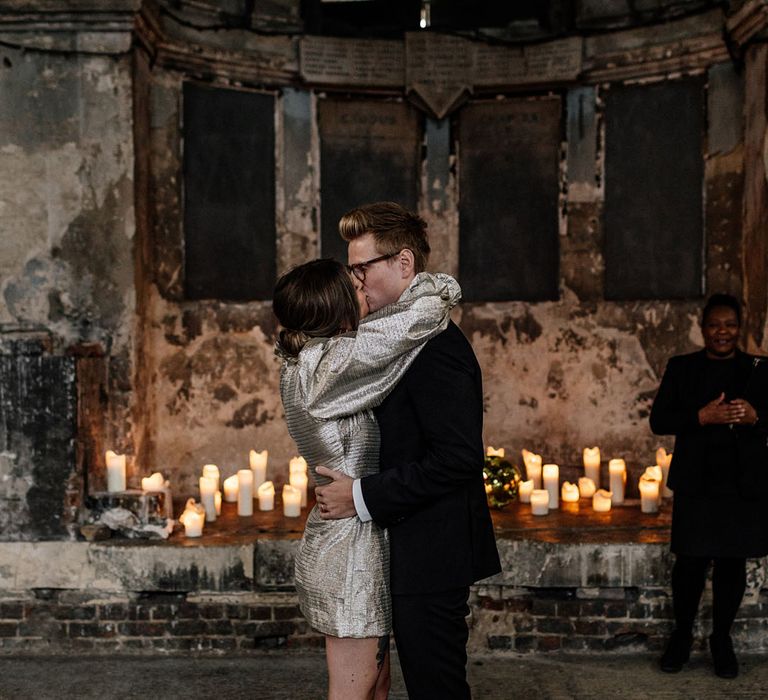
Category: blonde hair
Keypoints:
(393, 228)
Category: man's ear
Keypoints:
(407, 262)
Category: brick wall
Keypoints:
(66, 621)
(597, 619)
(502, 619)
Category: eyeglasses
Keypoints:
(359, 269)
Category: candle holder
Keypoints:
(502, 480)
(132, 513)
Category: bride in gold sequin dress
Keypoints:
(335, 371)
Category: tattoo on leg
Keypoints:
(382, 650)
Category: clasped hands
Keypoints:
(722, 412)
(334, 500)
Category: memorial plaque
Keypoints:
(229, 194)
(438, 68)
(498, 65)
(654, 172)
(554, 61)
(369, 151)
(367, 62)
(508, 200)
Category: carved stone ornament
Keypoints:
(438, 70)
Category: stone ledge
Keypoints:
(570, 548)
(268, 565)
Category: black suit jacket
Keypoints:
(675, 412)
(430, 491)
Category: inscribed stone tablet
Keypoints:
(654, 169)
(369, 152)
(508, 201)
(229, 194)
(367, 62)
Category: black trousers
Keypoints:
(431, 637)
(729, 581)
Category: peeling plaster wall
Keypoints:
(563, 376)
(66, 266)
(216, 389)
(67, 196)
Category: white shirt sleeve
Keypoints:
(360, 507)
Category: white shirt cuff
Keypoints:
(360, 507)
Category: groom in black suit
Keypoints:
(430, 491)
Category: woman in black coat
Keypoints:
(715, 403)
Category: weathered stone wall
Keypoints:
(66, 261)
(67, 190)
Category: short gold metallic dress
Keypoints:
(328, 391)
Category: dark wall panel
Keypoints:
(654, 171)
(229, 194)
(508, 206)
(38, 409)
(369, 152)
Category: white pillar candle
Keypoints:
(297, 465)
(115, 472)
(258, 462)
(211, 471)
(267, 496)
(665, 490)
(617, 473)
(245, 492)
(193, 523)
(664, 460)
(601, 501)
(649, 494)
(230, 489)
(653, 472)
(217, 501)
(193, 518)
(156, 482)
(551, 477)
(299, 482)
(524, 491)
(532, 467)
(539, 501)
(591, 457)
(493, 452)
(587, 487)
(569, 492)
(291, 501)
(208, 497)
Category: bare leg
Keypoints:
(353, 670)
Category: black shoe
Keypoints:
(726, 664)
(677, 653)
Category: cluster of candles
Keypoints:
(543, 491)
(242, 488)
